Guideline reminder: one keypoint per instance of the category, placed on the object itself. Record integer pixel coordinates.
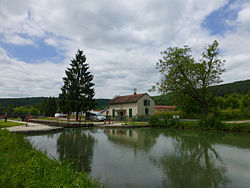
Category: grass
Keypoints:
(4, 124)
(229, 127)
(23, 166)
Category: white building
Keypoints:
(130, 106)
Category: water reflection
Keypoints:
(154, 157)
(192, 163)
(132, 138)
(76, 146)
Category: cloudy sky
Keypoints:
(122, 41)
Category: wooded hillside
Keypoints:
(239, 87)
(16, 102)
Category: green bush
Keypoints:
(211, 121)
(234, 114)
(163, 120)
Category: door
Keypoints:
(130, 113)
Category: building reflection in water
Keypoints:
(132, 138)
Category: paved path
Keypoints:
(242, 121)
(32, 128)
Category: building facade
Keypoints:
(130, 106)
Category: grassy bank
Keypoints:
(23, 166)
(231, 127)
(4, 124)
(210, 123)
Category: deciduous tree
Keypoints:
(182, 74)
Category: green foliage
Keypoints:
(2, 109)
(210, 121)
(49, 106)
(239, 87)
(236, 127)
(245, 105)
(234, 114)
(181, 74)
(16, 102)
(77, 92)
(22, 166)
(101, 103)
(160, 120)
(4, 124)
(232, 102)
(168, 99)
(25, 110)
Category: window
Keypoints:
(145, 102)
(113, 113)
(146, 111)
(130, 112)
(148, 102)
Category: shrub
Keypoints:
(161, 120)
(211, 121)
(234, 114)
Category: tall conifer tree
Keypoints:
(77, 92)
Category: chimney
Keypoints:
(135, 91)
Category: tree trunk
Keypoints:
(205, 108)
(77, 116)
(6, 116)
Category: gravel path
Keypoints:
(32, 128)
(242, 121)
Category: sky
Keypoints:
(122, 41)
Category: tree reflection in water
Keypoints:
(76, 146)
(193, 163)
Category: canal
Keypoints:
(149, 157)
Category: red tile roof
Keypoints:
(127, 99)
(164, 107)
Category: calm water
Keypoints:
(154, 157)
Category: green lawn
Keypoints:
(232, 127)
(9, 124)
(23, 166)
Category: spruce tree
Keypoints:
(77, 92)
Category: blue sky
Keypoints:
(121, 39)
(216, 21)
(41, 52)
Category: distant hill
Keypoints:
(102, 103)
(164, 99)
(239, 87)
(16, 102)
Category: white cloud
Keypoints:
(122, 41)
(20, 79)
(17, 40)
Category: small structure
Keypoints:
(163, 108)
(130, 106)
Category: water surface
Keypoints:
(149, 157)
